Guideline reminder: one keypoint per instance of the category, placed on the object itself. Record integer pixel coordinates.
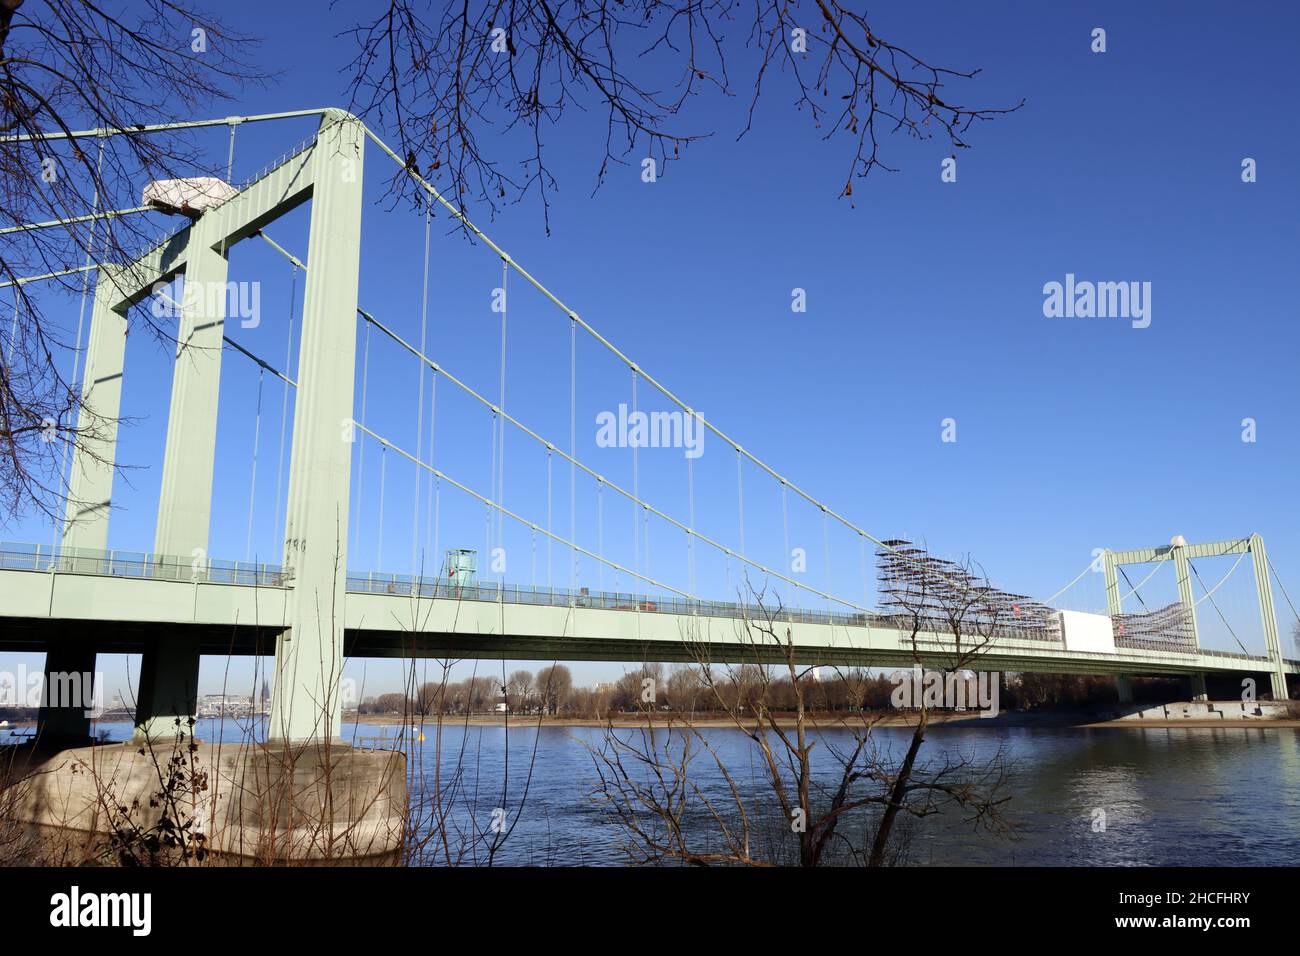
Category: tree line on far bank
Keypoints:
(679, 688)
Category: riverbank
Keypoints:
(1025, 720)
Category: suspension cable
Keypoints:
(550, 570)
(552, 449)
(1207, 594)
(1132, 590)
(81, 314)
(428, 517)
(21, 281)
(1296, 614)
(600, 534)
(1135, 588)
(690, 532)
(386, 444)
(261, 363)
(492, 480)
(826, 552)
(73, 220)
(383, 470)
(501, 457)
(13, 327)
(636, 485)
(159, 127)
(487, 533)
(645, 518)
(785, 530)
(664, 390)
(1282, 587)
(740, 499)
(284, 410)
(230, 173)
(866, 579)
(505, 512)
(361, 449)
(437, 519)
(632, 496)
(573, 452)
(1079, 577)
(1214, 605)
(252, 482)
(90, 253)
(419, 402)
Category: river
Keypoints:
(1119, 796)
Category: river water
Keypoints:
(1225, 796)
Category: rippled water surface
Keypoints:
(1178, 796)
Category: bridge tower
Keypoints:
(1181, 554)
(309, 653)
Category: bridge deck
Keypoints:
(385, 619)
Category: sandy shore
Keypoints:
(1280, 722)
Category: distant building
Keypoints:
(215, 706)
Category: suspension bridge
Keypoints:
(317, 605)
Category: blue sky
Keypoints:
(924, 303)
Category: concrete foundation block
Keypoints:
(242, 803)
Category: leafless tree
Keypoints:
(70, 65)
(519, 690)
(554, 684)
(469, 87)
(684, 689)
(442, 78)
(471, 91)
(844, 807)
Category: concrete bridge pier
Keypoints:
(169, 688)
(64, 717)
(1124, 685)
(1198, 687)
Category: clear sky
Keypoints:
(924, 303)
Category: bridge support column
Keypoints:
(90, 480)
(1182, 574)
(185, 497)
(1268, 616)
(1198, 687)
(1124, 686)
(169, 689)
(67, 700)
(305, 703)
(1113, 604)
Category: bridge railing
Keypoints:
(422, 587)
(135, 564)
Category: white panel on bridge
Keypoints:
(1086, 632)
